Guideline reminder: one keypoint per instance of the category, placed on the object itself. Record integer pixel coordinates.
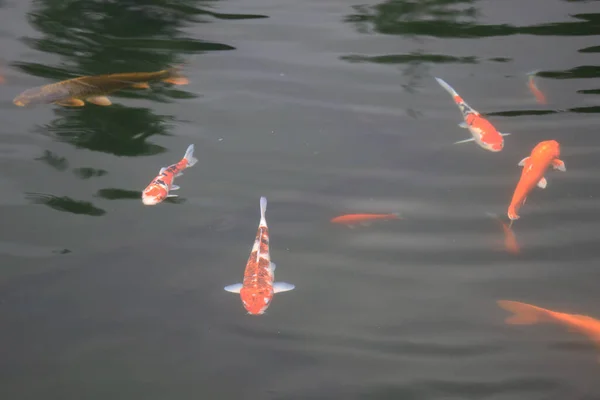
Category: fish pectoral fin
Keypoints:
(282, 287)
(465, 141)
(524, 200)
(273, 266)
(178, 174)
(177, 80)
(505, 134)
(163, 169)
(99, 100)
(141, 85)
(559, 165)
(542, 183)
(522, 162)
(70, 103)
(235, 288)
(463, 125)
(175, 187)
(172, 195)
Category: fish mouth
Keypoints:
(496, 147)
(149, 201)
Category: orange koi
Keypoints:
(510, 239)
(350, 219)
(539, 96)
(527, 314)
(162, 184)
(483, 132)
(258, 286)
(543, 155)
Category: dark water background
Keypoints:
(325, 107)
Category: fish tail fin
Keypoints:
(263, 209)
(523, 314)
(175, 76)
(512, 212)
(447, 87)
(189, 156)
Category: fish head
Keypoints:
(153, 195)
(256, 302)
(494, 144)
(41, 95)
(20, 101)
(552, 148)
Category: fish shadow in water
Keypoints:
(65, 204)
(123, 194)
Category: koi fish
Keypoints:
(539, 96)
(159, 188)
(350, 219)
(527, 314)
(543, 155)
(258, 288)
(93, 89)
(510, 240)
(483, 132)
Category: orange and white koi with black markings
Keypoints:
(159, 188)
(483, 132)
(258, 287)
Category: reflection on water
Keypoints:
(124, 194)
(53, 160)
(87, 172)
(116, 129)
(455, 19)
(65, 204)
(99, 37)
(119, 194)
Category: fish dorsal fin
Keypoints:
(522, 162)
(542, 183)
(163, 169)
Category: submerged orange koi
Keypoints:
(539, 96)
(543, 155)
(159, 188)
(74, 92)
(483, 132)
(350, 219)
(527, 314)
(258, 288)
(510, 239)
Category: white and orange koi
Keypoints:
(483, 132)
(162, 184)
(258, 286)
